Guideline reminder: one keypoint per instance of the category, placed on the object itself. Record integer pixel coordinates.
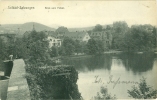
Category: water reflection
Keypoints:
(132, 62)
(137, 63)
(90, 63)
(126, 66)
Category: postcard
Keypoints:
(84, 50)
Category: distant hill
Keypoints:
(38, 27)
(26, 27)
(21, 28)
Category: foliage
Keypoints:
(11, 45)
(140, 38)
(95, 46)
(154, 36)
(136, 38)
(104, 95)
(98, 27)
(118, 32)
(37, 48)
(92, 46)
(49, 82)
(62, 30)
(143, 91)
(78, 48)
(100, 46)
(54, 51)
(68, 46)
(3, 49)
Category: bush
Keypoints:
(49, 82)
(143, 91)
(104, 95)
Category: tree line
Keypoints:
(134, 38)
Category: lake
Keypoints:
(97, 71)
(123, 67)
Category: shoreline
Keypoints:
(108, 52)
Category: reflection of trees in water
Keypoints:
(90, 63)
(137, 62)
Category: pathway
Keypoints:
(18, 87)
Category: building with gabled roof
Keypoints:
(80, 36)
(102, 35)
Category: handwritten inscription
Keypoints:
(114, 82)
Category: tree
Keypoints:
(92, 46)
(100, 46)
(62, 30)
(98, 27)
(143, 91)
(19, 48)
(37, 48)
(84, 48)
(139, 38)
(118, 32)
(3, 50)
(155, 36)
(68, 46)
(54, 51)
(77, 46)
(95, 46)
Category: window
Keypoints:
(50, 39)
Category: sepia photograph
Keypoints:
(78, 50)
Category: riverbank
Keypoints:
(106, 52)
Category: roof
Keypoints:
(76, 35)
(27, 33)
(97, 33)
(52, 33)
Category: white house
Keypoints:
(54, 42)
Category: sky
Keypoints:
(79, 13)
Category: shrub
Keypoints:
(104, 95)
(143, 91)
(51, 82)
